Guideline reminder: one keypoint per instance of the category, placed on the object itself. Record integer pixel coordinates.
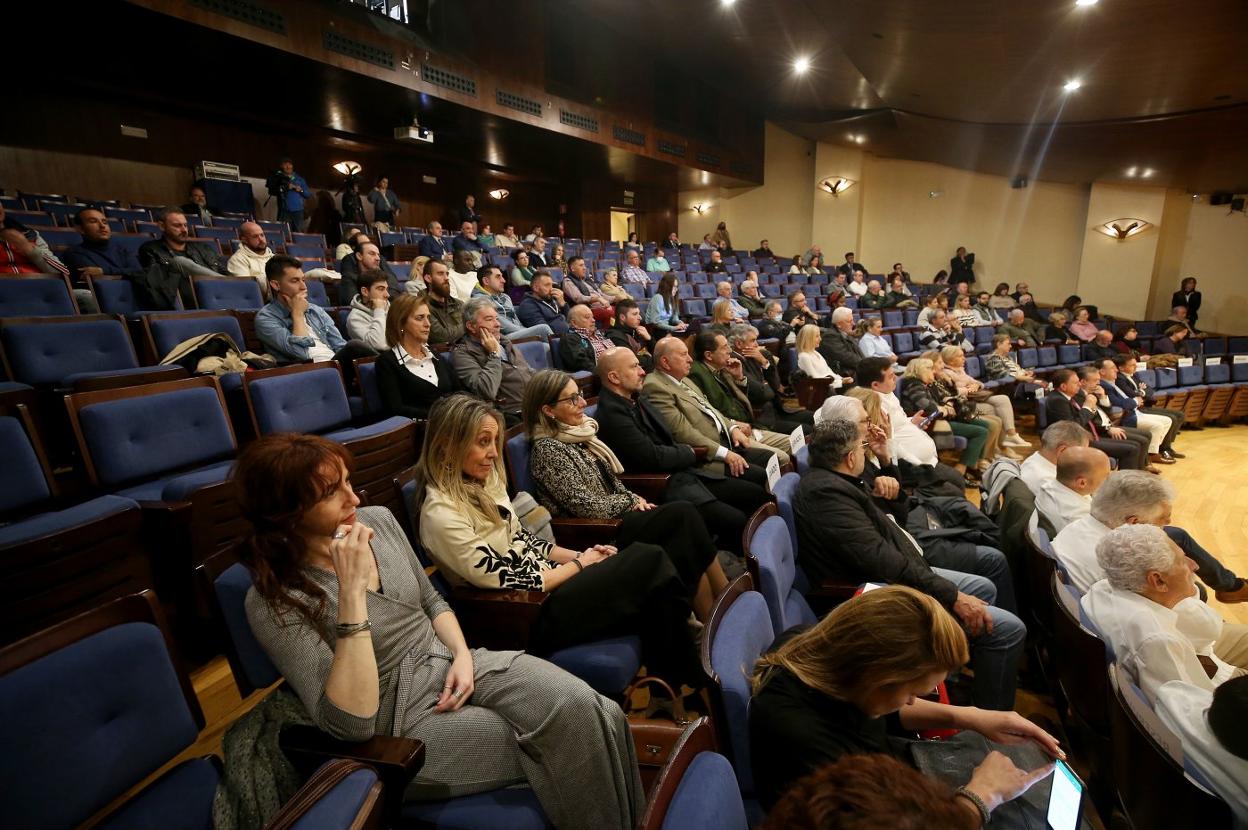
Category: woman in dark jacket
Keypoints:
(1172, 343)
(1188, 297)
(1126, 340)
(920, 392)
(410, 376)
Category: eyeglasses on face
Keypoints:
(577, 398)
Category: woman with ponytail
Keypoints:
(343, 608)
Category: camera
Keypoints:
(278, 183)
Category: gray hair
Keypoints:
(475, 306)
(723, 284)
(1127, 554)
(740, 331)
(1128, 493)
(842, 313)
(1066, 433)
(841, 408)
(1017, 311)
(832, 442)
(771, 305)
(874, 284)
(750, 283)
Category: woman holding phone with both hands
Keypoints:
(344, 609)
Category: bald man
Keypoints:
(1067, 498)
(252, 254)
(580, 348)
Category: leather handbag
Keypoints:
(654, 736)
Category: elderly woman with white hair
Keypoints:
(1148, 611)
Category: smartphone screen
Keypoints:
(1065, 798)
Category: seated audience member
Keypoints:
(763, 386)
(721, 379)
(874, 298)
(98, 253)
(535, 233)
(1101, 347)
(629, 332)
(815, 267)
(857, 284)
(1211, 728)
(812, 253)
(537, 253)
(463, 275)
(658, 262)
(1160, 427)
(723, 290)
(936, 302)
(1056, 439)
(1067, 497)
(1126, 342)
(999, 365)
(899, 295)
(879, 473)
(1133, 496)
(544, 304)
(487, 364)
(471, 530)
(773, 325)
(947, 392)
(446, 313)
(819, 697)
(764, 250)
(921, 396)
(1001, 297)
(643, 443)
(1020, 289)
(693, 421)
(1178, 316)
(997, 405)
(839, 346)
(663, 312)
(1057, 329)
(810, 359)
(507, 239)
(491, 285)
(610, 286)
(842, 534)
(410, 377)
(706, 244)
(871, 342)
(1024, 333)
(984, 312)
(1082, 327)
(198, 205)
(1173, 342)
(1068, 402)
(581, 345)
(911, 447)
(24, 251)
(293, 329)
(716, 264)
(799, 313)
(577, 475)
(254, 253)
(364, 256)
(522, 272)
(1127, 364)
(1148, 610)
(849, 267)
(579, 289)
(632, 273)
(344, 247)
(1090, 382)
(796, 267)
(941, 278)
(558, 259)
(754, 304)
(942, 330)
(433, 244)
(633, 241)
(672, 242)
(1029, 308)
(963, 313)
(366, 321)
(174, 252)
(467, 241)
(319, 565)
(1072, 302)
(899, 272)
(722, 319)
(486, 236)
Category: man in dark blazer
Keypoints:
(961, 268)
(640, 438)
(843, 534)
(1133, 413)
(838, 347)
(1067, 402)
(1127, 364)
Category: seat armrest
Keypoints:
(700, 453)
(579, 534)
(497, 619)
(829, 594)
(650, 486)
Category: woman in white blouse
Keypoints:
(810, 361)
(410, 377)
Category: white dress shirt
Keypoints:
(1060, 504)
(462, 285)
(909, 443)
(856, 288)
(422, 367)
(1075, 548)
(1184, 709)
(1156, 644)
(1036, 470)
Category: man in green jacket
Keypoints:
(1024, 333)
(721, 378)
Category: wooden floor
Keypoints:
(1212, 486)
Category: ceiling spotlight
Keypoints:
(499, 194)
(800, 65)
(1123, 228)
(726, 3)
(1131, 171)
(1148, 173)
(836, 185)
(1086, 2)
(1071, 86)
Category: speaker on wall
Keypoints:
(1220, 198)
(1018, 182)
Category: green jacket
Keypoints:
(725, 395)
(875, 301)
(756, 308)
(1031, 332)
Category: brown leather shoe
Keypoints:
(1151, 469)
(1240, 594)
(1161, 459)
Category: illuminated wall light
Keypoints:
(348, 168)
(835, 185)
(499, 194)
(1085, 3)
(1131, 172)
(1148, 173)
(1072, 85)
(700, 208)
(1121, 229)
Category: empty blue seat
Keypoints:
(536, 353)
(1068, 354)
(1028, 358)
(317, 293)
(278, 232)
(1217, 373)
(306, 251)
(893, 319)
(693, 308)
(772, 546)
(1191, 376)
(226, 235)
(39, 219)
(62, 351)
(231, 222)
(1046, 356)
(35, 297)
(903, 342)
(704, 290)
(168, 330)
(226, 293)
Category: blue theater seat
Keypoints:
(75, 352)
(769, 543)
(696, 789)
(224, 293)
(35, 296)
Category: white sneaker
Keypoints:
(1015, 441)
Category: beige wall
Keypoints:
(1116, 274)
(1171, 244)
(837, 220)
(1216, 254)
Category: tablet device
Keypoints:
(1065, 798)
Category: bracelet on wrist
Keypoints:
(577, 563)
(349, 629)
(984, 813)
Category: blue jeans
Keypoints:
(516, 332)
(995, 655)
(982, 561)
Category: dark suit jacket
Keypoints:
(1190, 301)
(1123, 401)
(434, 247)
(961, 270)
(576, 353)
(404, 394)
(841, 351)
(842, 534)
(638, 435)
(1132, 387)
(1058, 408)
(762, 252)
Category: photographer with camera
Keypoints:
(291, 191)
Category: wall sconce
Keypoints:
(348, 168)
(836, 185)
(499, 193)
(1123, 228)
(700, 208)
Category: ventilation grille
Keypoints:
(516, 102)
(627, 135)
(358, 49)
(672, 149)
(450, 80)
(581, 122)
(709, 160)
(245, 12)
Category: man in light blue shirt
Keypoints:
(658, 262)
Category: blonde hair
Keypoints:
(948, 353)
(886, 637)
(864, 325)
(807, 338)
(418, 268)
(1058, 317)
(452, 428)
(917, 365)
(721, 312)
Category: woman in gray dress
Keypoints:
(343, 608)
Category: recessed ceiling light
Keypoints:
(1072, 85)
(801, 64)
(1131, 171)
(1086, 2)
(726, 3)
(1148, 173)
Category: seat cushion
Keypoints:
(312, 401)
(344, 436)
(179, 800)
(514, 808)
(178, 487)
(608, 666)
(70, 380)
(23, 482)
(707, 796)
(41, 354)
(58, 520)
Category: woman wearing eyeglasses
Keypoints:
(577, 475)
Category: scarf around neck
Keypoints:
(586, 433)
